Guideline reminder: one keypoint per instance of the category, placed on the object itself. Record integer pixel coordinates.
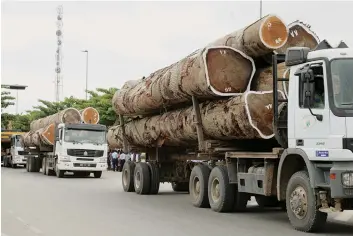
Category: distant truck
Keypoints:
(12, 153)
(78, 148)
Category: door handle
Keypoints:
(300, 142)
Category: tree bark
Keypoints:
(206, 74)
(69, 116)
(242, 117)
(263, 79)
(90, 115)
(258, 39)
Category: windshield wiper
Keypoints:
(348, 103)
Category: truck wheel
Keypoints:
(27, 165)
(267, 201)
(220, 193)
(44, 166)
(127, 178)
(97, 174)
(301, 204)
(59, 173)
(240, 200)
(180, 187)
(31, 164)
(154, 178)
(142, 178)
(198, 185)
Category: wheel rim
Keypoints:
(196, 187)
(125, 177)
(137, 180)
(215, 193)
(299, 202)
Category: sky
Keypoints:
(129, 40)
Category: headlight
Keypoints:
(347, 179)
(65, 158)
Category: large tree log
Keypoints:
(90, 115)
(242, 117)
(216, 70)
(258, 39)
(41, 137)
(300, 35)
(207, 73)
(69, 116)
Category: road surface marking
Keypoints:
(20, 219)
(35, 230)
(32, 228)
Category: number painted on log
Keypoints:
(294, 33)
(227, 90)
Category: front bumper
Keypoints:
(338, 188)
(21, 160)
(82, 166)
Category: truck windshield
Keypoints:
(85, 136)
(342, 80)
(18, 141)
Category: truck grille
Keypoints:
(22, 153)
(85, 153)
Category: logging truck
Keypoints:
(77, 148)
(12, 153)
(306, 168)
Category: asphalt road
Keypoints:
(33, 204)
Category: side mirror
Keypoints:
(307, 89)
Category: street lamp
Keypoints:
(86, 51)
(260, 9)
(14, 87)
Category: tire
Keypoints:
(180, 187)
(267, 201)
(59, 173)
(27, 165)
(97, 174)
(31, 164)
(127, 177)
(44, 166)
(13, 166)
(142, 178)
(198, 186)
(221, 194)
(240, 200)
(51, 172)
(153, 168)
(313, 220)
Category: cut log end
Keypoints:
(300, 35)
(229, 71)
(71, 116)
(273, 32)
(260, 112)
(90, 115)
(48, 134)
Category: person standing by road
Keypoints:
(122, 160)
(114, 159)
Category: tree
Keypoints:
(6, 99)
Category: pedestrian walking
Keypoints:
(114, 159)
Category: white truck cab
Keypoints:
(17, 152)
(314, 124)
(78, 148)
(81, 147)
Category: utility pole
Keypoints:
(260, 9)
(86, 51)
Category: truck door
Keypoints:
(311, 135)
(58, 144)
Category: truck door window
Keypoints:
(60, 134)
(319, 95)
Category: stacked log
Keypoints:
(89, 115)
(239, 110)
(69, 116)
(241, 117)
(223, 68)
(42, 131)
